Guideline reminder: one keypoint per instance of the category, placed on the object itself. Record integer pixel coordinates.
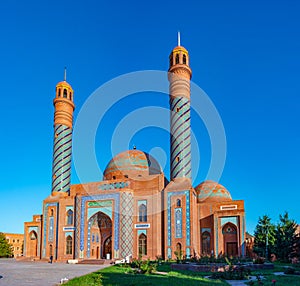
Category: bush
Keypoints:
(232, 272)
(259, 260)
(143, 266)
(291, 270)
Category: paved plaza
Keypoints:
(18, 273)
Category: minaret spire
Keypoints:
(179, 77)
(178, 38)
(65, 74)
(62, 149)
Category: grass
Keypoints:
(281, 280)
(116, 275)
(284, 280)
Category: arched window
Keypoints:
(51, 212)
(143, 244)
(171, 60)
(69, 217)
(69, 244)
(178, 203)
(65, 93)
(142, 213)
(205, 243)
(177, 59)
(70, 95)
(184, 59)
(178, 247)
(59, 93)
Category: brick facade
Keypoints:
(135, 211)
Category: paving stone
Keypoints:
(18, 273)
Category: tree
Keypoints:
(296, 249)
(5, 247)
(264, 237)
(286, 237)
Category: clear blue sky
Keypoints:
(244, 55)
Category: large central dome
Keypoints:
(131, 164)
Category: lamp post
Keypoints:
(267, 231)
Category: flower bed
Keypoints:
(218, 267)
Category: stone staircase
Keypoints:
(95, 261)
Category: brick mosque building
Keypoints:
(135, 211)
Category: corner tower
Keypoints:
(179, 78)
(62, 149)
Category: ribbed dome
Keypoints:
(131, 164)
(210, 191)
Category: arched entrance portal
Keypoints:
(33, 243)
(100, 236)
(229, 232)
(206, 243)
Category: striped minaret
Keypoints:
(62, 149)
(180, 123)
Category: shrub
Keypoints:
(289, 270)
(143, 266)
(259, 260)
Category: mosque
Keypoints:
(135, 211)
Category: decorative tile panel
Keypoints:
(51, 229)
(45, 216)
(113, 186)
(178, 223)
(126, 224)
(188, 219)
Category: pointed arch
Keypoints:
(65, 95)
(205, 241)
(229, 231)
(69, 217)
(33, 243)
(142, 213)
(69, 245)
(142, 244)
(99, 231)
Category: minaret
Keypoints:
(62, 149)
(180, 123)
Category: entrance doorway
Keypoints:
(33, 243)
(229, 232)
(107, 247)
(100, 234)
(232, 249)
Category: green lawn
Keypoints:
(118, 275)
(286, 280)
(115, 275)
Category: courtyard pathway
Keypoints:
(13, 273)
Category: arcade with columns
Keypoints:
(135, 211)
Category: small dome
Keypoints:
(64, 84)
(210, 191)
(180, 49)
(131, 164)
